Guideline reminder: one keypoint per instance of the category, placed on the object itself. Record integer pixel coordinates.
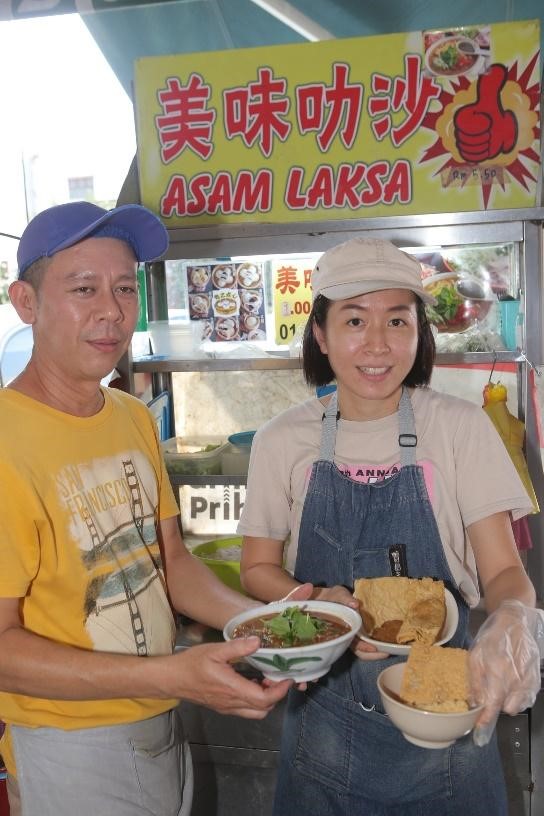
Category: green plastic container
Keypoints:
(193, 456)
(218, 555)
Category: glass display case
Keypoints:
(473, 262)
(240, 306)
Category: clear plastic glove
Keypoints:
(504, 664)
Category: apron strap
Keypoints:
(328, 432)
(407, 430)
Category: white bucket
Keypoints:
(170, 339)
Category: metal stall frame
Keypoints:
(522, 738)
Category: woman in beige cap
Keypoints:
(387, 477)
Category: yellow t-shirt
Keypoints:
(80, 500)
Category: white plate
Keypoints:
(448, 631)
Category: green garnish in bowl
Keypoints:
(293, 625)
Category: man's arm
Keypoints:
(193, 588)
(38, 667)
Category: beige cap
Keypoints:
(363, 265)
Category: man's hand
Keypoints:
(204, 675)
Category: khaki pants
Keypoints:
(13, 796)
(138, 769)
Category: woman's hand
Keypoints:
(504, 664)
(339, 594)
(303, 592)
(335, 594)
(366, 651)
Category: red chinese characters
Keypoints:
(287, 279)
(256, 112)
(331, 109)
(186, 122)
(411, 94)
(259, 114)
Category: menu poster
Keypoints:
(292, 297)
(228, 300)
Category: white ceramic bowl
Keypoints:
(448, 630)
(427, 729)
(299, 663)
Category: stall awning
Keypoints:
(128, 29)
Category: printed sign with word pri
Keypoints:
(292, 296)
(211, 509)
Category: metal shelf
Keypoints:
(171, 364)
(180, 479)
(220, 240)
(477, 357)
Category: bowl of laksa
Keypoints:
(300, 640)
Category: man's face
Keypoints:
(86, 309)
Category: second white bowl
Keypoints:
(427, 729)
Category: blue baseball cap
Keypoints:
(64, 225)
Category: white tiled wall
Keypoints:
(224, 402)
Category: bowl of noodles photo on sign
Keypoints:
(452, 56)
(454, 53)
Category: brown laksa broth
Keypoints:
(326, 627)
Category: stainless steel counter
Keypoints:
(235, 759)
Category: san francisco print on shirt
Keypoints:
(110, 503)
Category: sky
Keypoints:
(63, 114)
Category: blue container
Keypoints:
(243, 439)
(509, 323)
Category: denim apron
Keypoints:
(340, 754)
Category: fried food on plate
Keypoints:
(401, 610)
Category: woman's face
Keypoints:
(371, 342)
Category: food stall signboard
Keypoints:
(429, 121)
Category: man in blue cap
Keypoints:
(91, 555)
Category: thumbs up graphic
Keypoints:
(484, 129)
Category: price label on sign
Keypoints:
(292, 297)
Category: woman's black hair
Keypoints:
(317, 369)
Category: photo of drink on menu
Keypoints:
(228, 300)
